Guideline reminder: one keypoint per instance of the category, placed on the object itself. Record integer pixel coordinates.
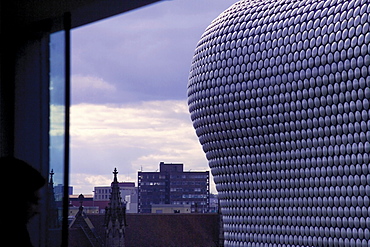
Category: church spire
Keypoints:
(115, 215)
(52, 211)
(115, 198)
(51, 182)
(115, 175)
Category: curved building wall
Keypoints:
(279, 96)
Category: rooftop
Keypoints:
(144, 230)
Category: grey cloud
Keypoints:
(144, 54)
(131, 136)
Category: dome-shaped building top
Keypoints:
(279, 97)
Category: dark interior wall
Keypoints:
(6, 110)
(31, 103)
(31, 117)
(7, 55)
(24, 98)
(24, 105)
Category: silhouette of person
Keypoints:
(20, 185)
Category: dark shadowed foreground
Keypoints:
(157, 230)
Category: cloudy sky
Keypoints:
(129, 78)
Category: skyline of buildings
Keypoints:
(116, 227)
(166, 224)
(169, 190)
(102, 180)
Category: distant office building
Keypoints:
(58, 192)
(213, 203)
(171, 185)
(128, 194)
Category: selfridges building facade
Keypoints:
(279, 96)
